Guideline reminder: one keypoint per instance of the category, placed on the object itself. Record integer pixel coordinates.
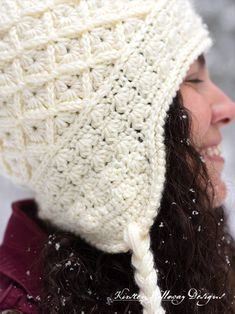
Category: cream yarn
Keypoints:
(145, 274)
(84, 91)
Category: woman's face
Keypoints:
(210, 109)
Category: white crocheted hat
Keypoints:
(84, 91)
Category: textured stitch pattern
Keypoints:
(84, 90)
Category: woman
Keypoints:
(109, 115)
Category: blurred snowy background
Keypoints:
(220, 17)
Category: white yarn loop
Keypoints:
(144, 272)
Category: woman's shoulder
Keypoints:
(20, 269)
(14, 299)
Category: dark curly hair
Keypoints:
(192, 248)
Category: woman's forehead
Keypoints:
(201, 60)
(198, 64)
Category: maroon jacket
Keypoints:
(19, 266)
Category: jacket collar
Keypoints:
(23, 240)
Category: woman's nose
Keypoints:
(223, 107)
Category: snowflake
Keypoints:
(57, 246)
(68, 263)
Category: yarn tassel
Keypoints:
(144, 272)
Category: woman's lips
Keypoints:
(214, 158)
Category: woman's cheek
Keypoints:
(201, 121)
(201, 116)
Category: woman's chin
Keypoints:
(215, 170)
(220, 193)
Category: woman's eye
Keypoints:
(195, 81)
